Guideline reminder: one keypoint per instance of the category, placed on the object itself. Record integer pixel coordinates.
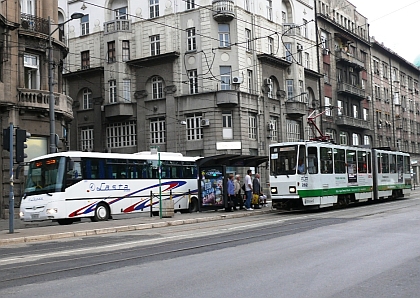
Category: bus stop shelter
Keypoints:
(212, 184)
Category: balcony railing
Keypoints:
(117, 26)
(351, 90)
(38, 25)
(349, 58)
(296, 108)
(223, 10)
(39, 99)
(352, 122)
(291, 29)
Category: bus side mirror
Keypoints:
(71, 165)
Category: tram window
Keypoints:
(362, 165)
(312, 160)
(407, 165)
(379, 162)
(326, 160)
(385, 163)
(301, 165)
(369, 161)
(392, 163)
(351, 162)
(339, 161)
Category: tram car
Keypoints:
(315, 174)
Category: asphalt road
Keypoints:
(366, 251)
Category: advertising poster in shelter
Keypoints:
(212, 186)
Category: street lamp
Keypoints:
(53, 145)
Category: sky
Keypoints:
(396, 24)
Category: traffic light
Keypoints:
(6, 139)
(21, 137)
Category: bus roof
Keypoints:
(148, 155)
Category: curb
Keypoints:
(127, 228)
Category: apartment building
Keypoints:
(198, 77)
(344, 57)
(396, 103)
(24, 80)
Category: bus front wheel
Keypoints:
(101, 212)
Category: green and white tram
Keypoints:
(314, 174)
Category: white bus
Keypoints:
(67, 186)
(312, 174)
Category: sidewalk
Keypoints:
(88, 228)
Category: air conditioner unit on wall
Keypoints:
(300, 47)
(267, 81)
(237, 80)
(205, 122)
(325, 51)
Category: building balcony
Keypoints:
(119, 110)
(33, 24)
(351, 90)
(341, 56)
(32, 99)
(291, 29)
(117, 26)
(223, 10)
(352, 122)
(226, 98)
(295, 108)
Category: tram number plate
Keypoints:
(309, 201)
(34, 216)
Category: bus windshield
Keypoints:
(283, 160)
(45, 176)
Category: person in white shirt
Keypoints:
(248, 190)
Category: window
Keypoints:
(154, 8)
(289, 88)
(305, 28)
(194, 129)
(157, 131)
(299, 54)
(343, 138)
(27, 6)
(283, 17)
(193, 81)
(84, 23)
(273, 128)
(270, 10)
(121, 13)
(112, 91)
(85, 59)
(191, 40)
(324, 39)
(355, 111)
(252, 127)
(302, 96)
(327, 103)
(365, 114)
(306, 60)
(127, 90)
(339, 107)
(249, 80)
(155, 45)
(87, 99)
(224, 36)
(157, 87)
(225, 77)
(375, 66)
(246, 4)
(86, 139)
(293, 129)
(366, 140)
(270, 45)
(121, 134)
(270, 87)
(32, 76)
(190, 4)
(326, 73)
(248, 39)
(111, 52)
(356, 139)
(227, 130)
(125, 50)
(385, 70)
(288, 51)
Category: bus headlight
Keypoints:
(52, 211)
(292, 189)
(274, 190)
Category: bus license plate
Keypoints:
(34, 216)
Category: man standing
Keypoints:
(248, 190)
(256, 190)
(238, 192)
(231, 194)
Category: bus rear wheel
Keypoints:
(101, 212)
(193, 205)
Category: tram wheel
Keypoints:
(101, 212)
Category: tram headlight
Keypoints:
(274, 190)
(292, 189)
(52, 211)
(21, 214)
